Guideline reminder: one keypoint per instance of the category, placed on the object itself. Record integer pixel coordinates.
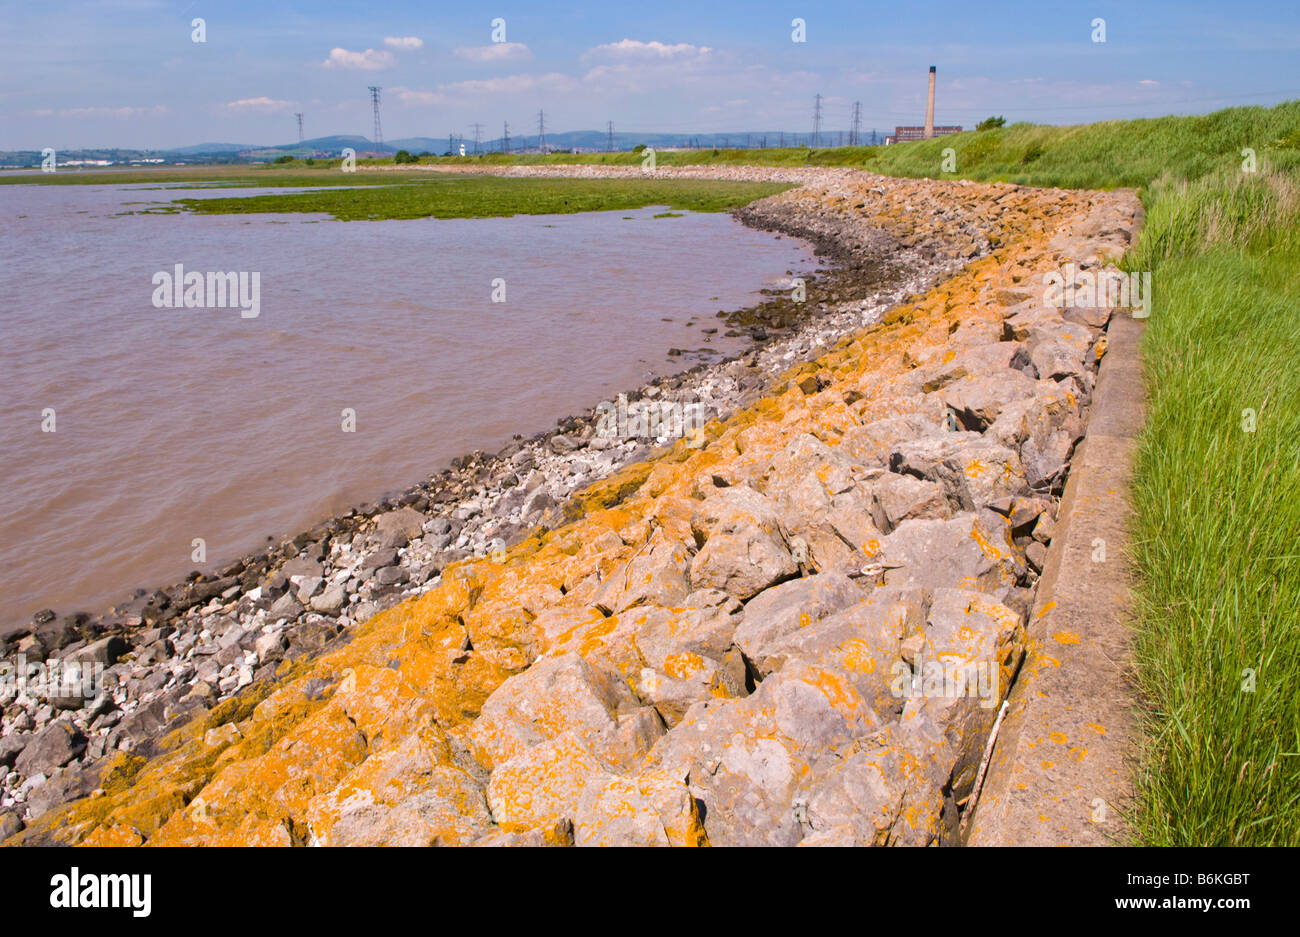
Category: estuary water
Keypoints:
(127, 429)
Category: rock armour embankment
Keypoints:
(709, 652)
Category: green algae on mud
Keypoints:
(494, 197)
(209, 177)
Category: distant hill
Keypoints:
(210, 148)
(582, 140)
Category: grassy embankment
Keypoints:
(1104, 155)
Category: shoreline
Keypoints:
(831, 199)
(99, 617)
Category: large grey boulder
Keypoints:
(922, 457)
(659, 576)
(981, 472)
(897, 498)
(53, 747)
(559, 695)
(976, 401)
(63, 785)
(105, 651)
(870, 634)
(966, 551)
(872, 443)
(789, 607)
(745, 548)
(10, 747)
(405, 523)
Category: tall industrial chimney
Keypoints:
(929, 107)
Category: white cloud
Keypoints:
(457, 92)
(423, 98)
(262, 105)
(634, 48)
(495, 52)
(120, 112)
(404, 42)
(370, 60)
(1148, 82)
(513, 84)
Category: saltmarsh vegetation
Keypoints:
(494, 196)
(362, 196)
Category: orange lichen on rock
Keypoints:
(587, 682)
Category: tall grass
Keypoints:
(1107, 155)
(1217, 498)
(1217, 544)
(1227, 207)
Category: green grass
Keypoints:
(1217, 535)
(1107, 155)
(495, 196)
(1217, 542)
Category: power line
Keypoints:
(541, 131)
(856, 132)
(478, 135)
(299, 116)
(609, 147)
(374, 99)
(817, 122)
(505, 137)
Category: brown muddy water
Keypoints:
(172, 424)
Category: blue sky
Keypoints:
(127, 74)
